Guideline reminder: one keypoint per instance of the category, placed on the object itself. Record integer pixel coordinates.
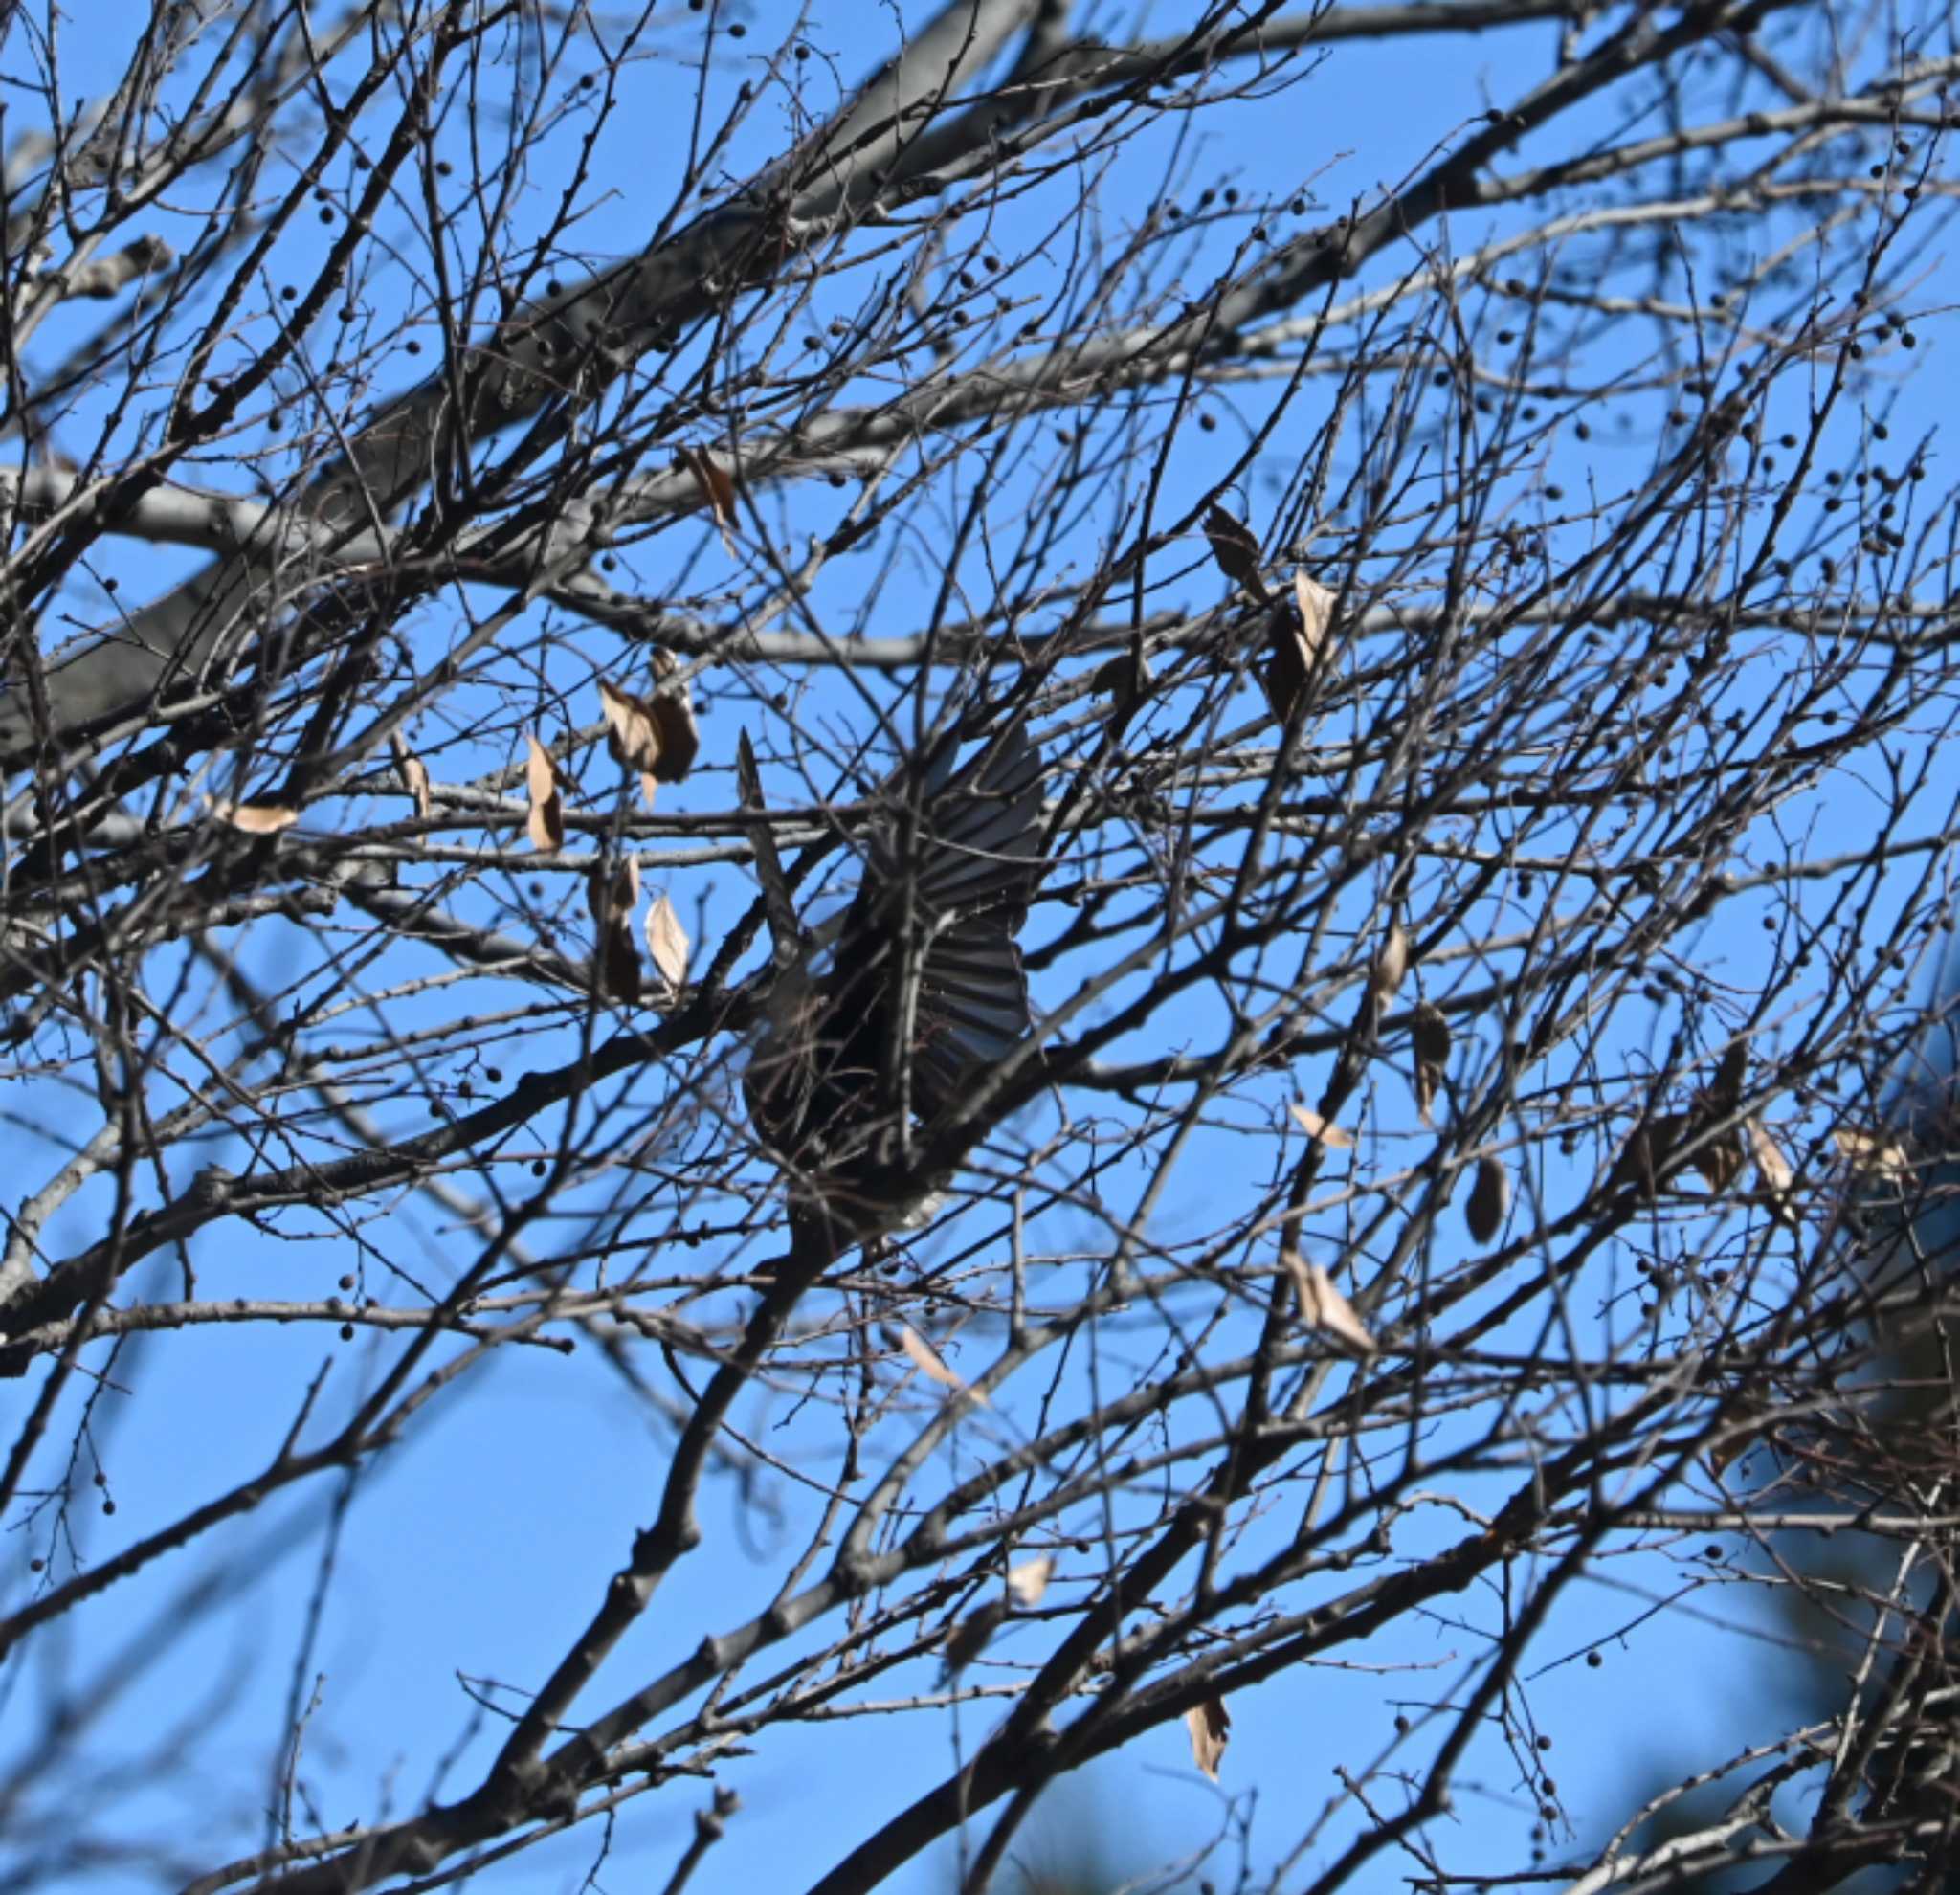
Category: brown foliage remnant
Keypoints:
(1136, 619)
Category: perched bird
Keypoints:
(891, 1009)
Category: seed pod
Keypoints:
(1490, 1198)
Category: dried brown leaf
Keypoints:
(630, 736)
(1429, 1033)
(546, 822)
(1286, 674)
(1209, 1725)
(1235, 546)
(1490, 1199)
(1391, 967)
(1315, 1127)
(618, 962)
(1322, 1307)
(252, 818)
(667, 943)
(1775, 1170)
(716, 484)
(612, 893)
(414, 773)
(655, 736)
(673, 709)
(1028, 1580)
(1296, 630)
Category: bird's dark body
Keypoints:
(930, 935)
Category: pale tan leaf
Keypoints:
(252, 818)
(1315, 1127)
(1392, 964)
(667, 942)
(414, 773)
(631, 735)
(646, 786)
(1235, 546)
(1322, 1307)
(1209, 1725)
(716, 484)
(970, 1636)
(1490, 1199)
(1775, 1170)
(546, 822)
(1880, 1155)
(928, 1361)
(1028, 1580)
(1316, 605)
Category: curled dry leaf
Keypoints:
(1774, 1170)
(545, 823)
(972, 1633)
(1490, 1199)
(618, 962)
(1028, 1580)
(611, 894)
(657, 736)
(1316, 605)
(929, 1363)
(414, 773)
(1209, 1725)
(1430, 1032)
(673, 709)
(717, 486)
(1295, 633)
(1235, 546)
(667, 943)
(1314, 1125)
(1390, 966)
(1322, 1307)
(252, 818)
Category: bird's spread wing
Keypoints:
(973, 1009)
(970, 839)
(925, 952)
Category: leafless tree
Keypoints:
(1179, 893)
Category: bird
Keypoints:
(889, 1010)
